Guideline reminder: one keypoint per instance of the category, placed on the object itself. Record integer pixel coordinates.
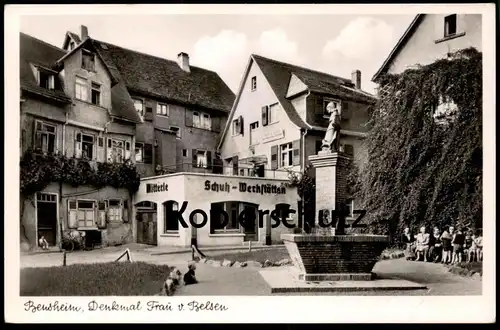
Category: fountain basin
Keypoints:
(335, 257)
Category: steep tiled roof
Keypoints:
(37, 52)
(278, 75)
(164, 79)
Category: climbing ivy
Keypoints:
(38, 171)
(423, 167)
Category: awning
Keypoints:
(253, 160)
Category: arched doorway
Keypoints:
(146, 223)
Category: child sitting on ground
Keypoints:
(43, 243)
(190, 277)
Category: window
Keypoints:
(201, 158)
(87, 146)
(115, 151)
(335, 105)
(236, 127)
(286, 155)
(45, 79)
(45, 137)
(177, 131)
(184, 152)
(72, 45)
(270, 114)
(350, 205)
(81, 89)
(202, 120)
(450, 25)
(146, 205)
(253, 134)
(254, 83)
(96, 94)
(171, 222)
(88, 60)
(114, 210)
(162, 109)
(86, 213)
(139, 152)
(139, 107)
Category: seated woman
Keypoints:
(408, 239)
(446, 242)
(435, 245)
(422, 244)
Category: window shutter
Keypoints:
(72, 214)
(109, 152)
(148, 153)
(125, 211)
(78, 145)
(101, 218)
(100, 151)
(37, 136)
(235, 161)
(216, 124)
(296, 152)
(242, 127)
(439, 27)
(195, 157)
(189, 118)
(127, 150)
(38, 76)
(265, 117)
(318, 109)
(461, 23)
(274, 157)
(209, 159)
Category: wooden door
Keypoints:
(146, 227)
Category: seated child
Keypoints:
(43, 243)
(190, 277)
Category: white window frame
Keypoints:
(44, 132)
(253, 134)
(81, 88)
(119, 209)
(162, 109)
(272, 113)
(253, 83)
(326, 101)
(122, 149)
(94, 141)
(141, 144)
(98, 89)
(141, 111)
(50, 81)
(177, 130)
(94, 211)
(202, 121)
(199, 163)
(286, 148)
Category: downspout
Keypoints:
(304, 136)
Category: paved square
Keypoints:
(285, 279)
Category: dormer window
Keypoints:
(72, 45)
(139, 107)
(88, 60)
(44, 77)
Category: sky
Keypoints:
(336, 44)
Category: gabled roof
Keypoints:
(278, 75)
(33, 51)
(164, 79)
(400, 44)
(71, 36)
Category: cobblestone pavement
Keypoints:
(247, 281)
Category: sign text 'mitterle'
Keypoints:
(226, 187)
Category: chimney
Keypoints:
(183, 61)
(356, 78)
(84, 32)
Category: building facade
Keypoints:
(430, 37)
(279, 118)
(72, 106)
(182, 107)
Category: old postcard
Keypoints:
(193, 163)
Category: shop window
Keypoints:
(232, 209)
(171, 222)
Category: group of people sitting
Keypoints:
(450, 246)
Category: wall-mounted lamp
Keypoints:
(156, 143)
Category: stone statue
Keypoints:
(332, 136)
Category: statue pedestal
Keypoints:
(331, 179)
